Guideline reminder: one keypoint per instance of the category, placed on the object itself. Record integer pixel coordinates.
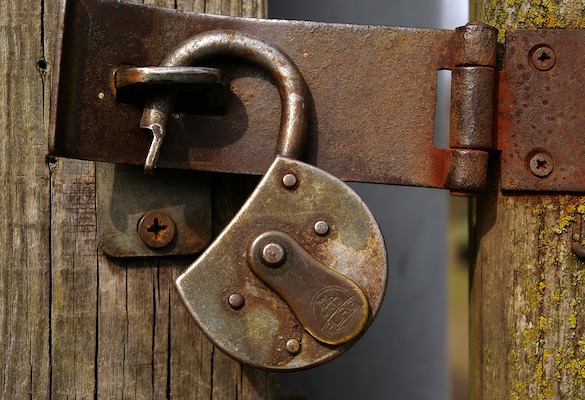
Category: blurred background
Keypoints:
(418, 346)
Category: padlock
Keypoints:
(300, 272)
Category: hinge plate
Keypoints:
(541, 111)
(373, 90)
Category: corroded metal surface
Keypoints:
(156, 229)
(541, 112)
(265, 332)
(373, 89)
(329, 305)
(283, 71)
(124, 195)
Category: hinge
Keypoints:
(472, 100)
(372, 99)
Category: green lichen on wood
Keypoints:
(528, 14)
(545, 360)
(540, 284)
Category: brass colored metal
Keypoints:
(258, 333)
(328, 305)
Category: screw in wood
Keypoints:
(156, 229)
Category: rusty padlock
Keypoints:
(300, 272)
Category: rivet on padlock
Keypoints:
(300, 272)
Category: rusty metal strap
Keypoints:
(372, 92)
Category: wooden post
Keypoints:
(528, 289)
(72, 322)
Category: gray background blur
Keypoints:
(404, 353)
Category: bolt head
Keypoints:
(544, 58)
(321, 228)
(293, 346)
(290, 181)
(236, 301)
(541, 165)
(156, 229)
(273, 255)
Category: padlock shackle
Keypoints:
(286, 75)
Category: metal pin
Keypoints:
(289, 181)
(236, 301)
(273, 255)
(321, 228)
(293, 346)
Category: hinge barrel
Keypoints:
(472, 105)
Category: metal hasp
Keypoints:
(371, 102)
(541, 111)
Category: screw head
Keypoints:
(290, 181)
(156, 229)
(273, 255)
(321, 228)
(544, 58)
(293, 346)
(541, 165)
(236, 301)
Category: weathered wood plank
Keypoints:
(24, 205)
(528, 289)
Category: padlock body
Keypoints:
(247, 319)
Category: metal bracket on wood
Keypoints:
(373, 95)
(372, 90)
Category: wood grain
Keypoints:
(73, 323)
(528, 289)
(25, 293)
